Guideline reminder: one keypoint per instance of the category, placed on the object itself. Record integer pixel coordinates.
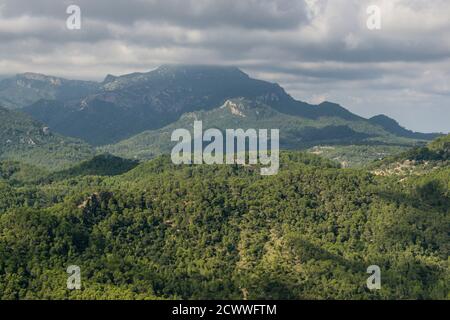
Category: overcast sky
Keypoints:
(316, 49)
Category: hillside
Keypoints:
(392, 126)
(417, 161)
(28, 88)
(100, 165)
(29, 141)
(17, 173)
(226, 232)
(295, 132)
(441, 146)
(124, 106)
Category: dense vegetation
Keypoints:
(418, 160)
(26, 140)
(153, 230)
(101, 165)
(352, 141)
(166, 231)
(121, 107)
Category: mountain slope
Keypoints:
(28, 88)
(100, 165)
(295, 132)
(417, 161)
(441, 146)
(130, 104)
(226, 232)
(27, 140)
(127, 105)
(394, 127)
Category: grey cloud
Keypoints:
(314, 48)
(268, 14)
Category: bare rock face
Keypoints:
(235, 108)
(95, 200)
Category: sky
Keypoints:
(316, 49)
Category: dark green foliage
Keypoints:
(441, 146)
(19, 173)
(101, 165)
(31, 142)
(436, 153)
(203, 232)
(392, 126)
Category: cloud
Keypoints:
(314, 48)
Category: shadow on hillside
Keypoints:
(430, 196)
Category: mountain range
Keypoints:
(132, 115)
(156, 230)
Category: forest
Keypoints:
(155, 230)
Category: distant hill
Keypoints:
(295, 132)
(392, 126)
(123, 106)
(127, 105)
(28, 88)
(419, 160)
(17, 173)
(101, 165)
(30, 141)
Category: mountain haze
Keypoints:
(394, 127)
(295, 132)
(28, 88)
(123, 106)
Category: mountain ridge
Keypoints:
(27, 88)
(121, 107)
(295, 133)
(392, 126)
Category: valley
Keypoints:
(86, 179)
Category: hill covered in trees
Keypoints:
(418, 160)
(345, 135)
(226, 232)
(26, 140)
(133, 115)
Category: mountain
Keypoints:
(394, 127)
(28, 88)
(127, 105)
(32, 142)
(121, 107)
(295, 132)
